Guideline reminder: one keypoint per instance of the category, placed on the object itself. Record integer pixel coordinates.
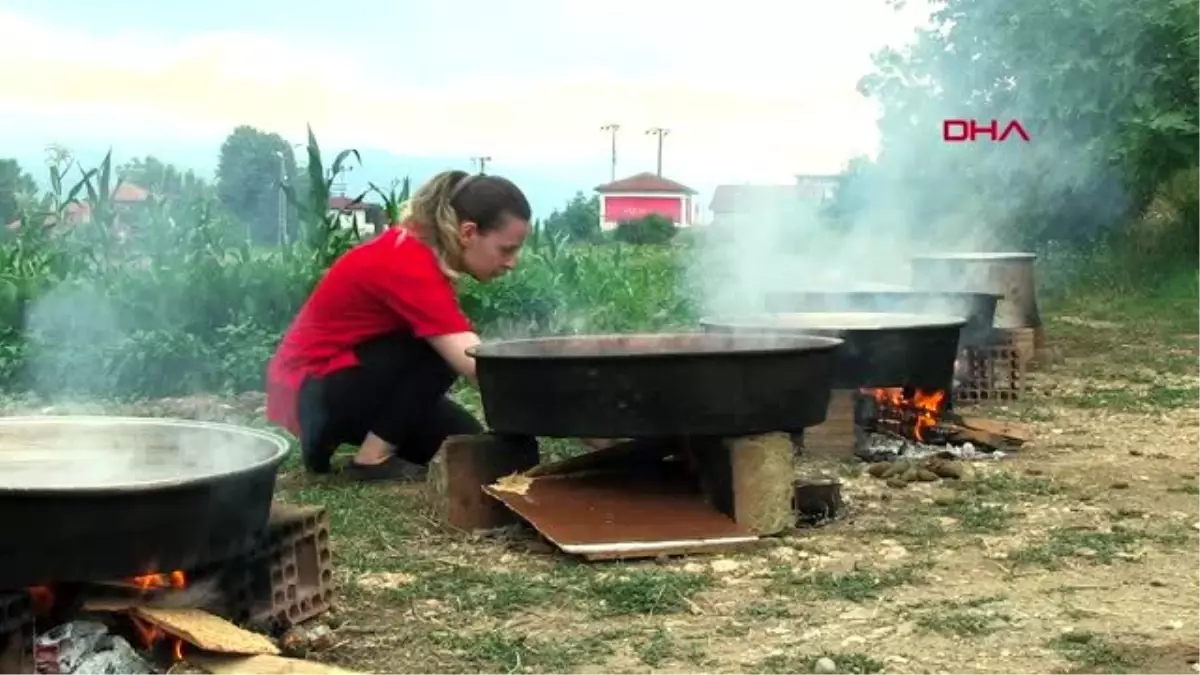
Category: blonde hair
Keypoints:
(450, 198)
(431, 216)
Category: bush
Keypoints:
(146, 305)
(653, 229)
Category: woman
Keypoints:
(371, 355)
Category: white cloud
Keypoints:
(766, 90)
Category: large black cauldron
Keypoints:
(108, 498)
(978, 308)
(878, 350)
(653, 386)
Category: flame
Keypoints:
(151, 634)
(926, 405)
(175, 579)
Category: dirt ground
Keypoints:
(1077, 554)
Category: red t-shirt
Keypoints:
(387, 285)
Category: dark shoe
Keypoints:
(393, 469)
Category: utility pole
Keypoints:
(660, 132)
(482, 162)
(282, 201)
(612, 129)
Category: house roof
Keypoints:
(645, 182)
(339, 202)
(130, 192)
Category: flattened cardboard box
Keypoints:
(627, 501)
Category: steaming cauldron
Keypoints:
(653, 386)
(878, 350)
(978, 308)
(107, 498)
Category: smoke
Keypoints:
(922, 195)
(67, 330)
(75, 336)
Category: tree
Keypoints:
(1107, 90)
(249, 180)
(579, 221)
(161, 178)
(15, 186)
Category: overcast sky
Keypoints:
(752, 90)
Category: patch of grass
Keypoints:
(766, 610)
(497, 594)
(1094, 653)
(659, 647)
(850, 662)
(643, 592)
(470, 589)
(1067, 543)
(1189, 489)
(855, 586)
(976, 516)
(1154, 398)
(915, 528)
(1007, 484)
(501, 652)
(370, 522)
(1125, 514)
(964, 618)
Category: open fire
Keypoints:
(905, 411)
(234, 605)
(126, 595)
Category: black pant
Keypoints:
(397, 391)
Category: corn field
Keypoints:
(172, 299)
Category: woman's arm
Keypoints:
(453, 348)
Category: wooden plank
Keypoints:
(263, 664)
(460, 470)
(1013, 430)
(206, 631)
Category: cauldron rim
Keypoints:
(979, 256)
(281, 448)
(770, 321)
(898, 291)
(752, 343)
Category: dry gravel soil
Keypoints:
(1078, 554)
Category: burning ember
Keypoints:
(176, 579)
(150, 634)
(136, 591)
(909, 412)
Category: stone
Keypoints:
(824, 665)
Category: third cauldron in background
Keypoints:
(978, 308)
(878, 349)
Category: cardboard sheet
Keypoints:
(624, 510)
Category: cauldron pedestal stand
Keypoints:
(750, 479)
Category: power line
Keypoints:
(482, 162)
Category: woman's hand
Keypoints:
(454, 348)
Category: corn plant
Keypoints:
(393, 200)
(323, 237)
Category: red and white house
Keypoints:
(640, 195)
